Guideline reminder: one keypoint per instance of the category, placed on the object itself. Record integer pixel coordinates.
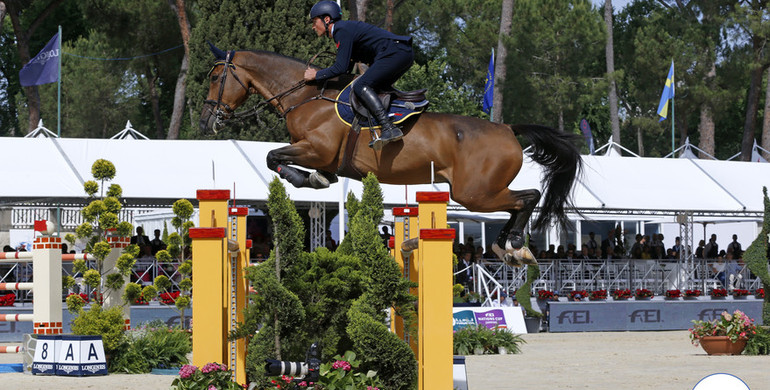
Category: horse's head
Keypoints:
(227, 91)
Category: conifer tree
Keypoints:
(756, 258)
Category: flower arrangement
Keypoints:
(344, 373)
(738, 292)
(577, 295)
(141, 300)
(598, 295)
(673, 294)
(7, 299)
(760, 293)
(735, 326)
(718, 293)
(547, 295)
(621, 294)
(169, 298)
(692, 293)
(212, 375)
(643, 293)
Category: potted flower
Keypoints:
(577, 295)
(760, 293)
(740, 293)
(718, 293)
(598, 295)
(619, 295)
(726, 335)
(547, 295)
(672, 294)
(692, 294)
(506, 342)
(643, 293)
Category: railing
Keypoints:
(658, 275)
(70, 217)
(145, 271)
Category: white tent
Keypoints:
(158, 172)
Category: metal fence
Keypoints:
(564, 275)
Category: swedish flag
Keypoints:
(490, 85)
(668, 94)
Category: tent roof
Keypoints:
(158, 172)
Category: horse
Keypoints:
(478, 158)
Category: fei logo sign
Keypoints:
(645, 315)
(574, 317)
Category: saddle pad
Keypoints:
(396, 112)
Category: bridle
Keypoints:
(224, 114)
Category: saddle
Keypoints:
(410, 100)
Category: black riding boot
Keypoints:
(390, 132)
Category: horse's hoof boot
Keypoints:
(318, 180)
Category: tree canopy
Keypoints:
(122, 60)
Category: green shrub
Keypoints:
(759, 344)
(107, 323)
(471, 338)
(153, 345)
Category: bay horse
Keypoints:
(478, 158)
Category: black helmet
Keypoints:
(326, 7)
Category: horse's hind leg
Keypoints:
(509, 245)
(279, 162)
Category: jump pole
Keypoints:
(46, 259)
(219, 286)
(428, 257)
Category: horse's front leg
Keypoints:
(279, 160)
(509, 245)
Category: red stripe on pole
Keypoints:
(437, 234)
(242, 211)
(207, 232)
(405, 211)
(433, 196)
(213, 194)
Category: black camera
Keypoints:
(307, 371)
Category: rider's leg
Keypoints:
(390, 132)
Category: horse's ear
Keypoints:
(218, 53)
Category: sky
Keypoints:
(616, 4)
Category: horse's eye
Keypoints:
(214, 77)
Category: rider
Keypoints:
(389, 56)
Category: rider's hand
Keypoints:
(310, 74)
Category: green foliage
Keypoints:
(92, 278)
(522, 294)
(91, 187)
(162, 282)
(149, 292)
(468, 340)
(85, 230)
(124, 230)
(115, 191)
(183, 210)
(67, 281)
(101, 250)
(74, 303)
(125, 264)
(344, 373)
(163, 256)
(108, 220)
(107, 323)
(114, 281)
(132, 292)
(211, 376)
(182, 302)
(287, 226)
(149, 346)
(759, 344)
(79, 266)
(91, 212)
(103, 170)
(756, 257)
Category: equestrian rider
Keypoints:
(389, 56)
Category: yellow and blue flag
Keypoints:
(490, 85)
(668, 94)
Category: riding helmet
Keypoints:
(326, 7)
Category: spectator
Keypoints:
(592, 244)
(711, 250)
(608, 244)
(8, 248)
(699, 250)
(330, 243)
(143, 242)
(638, 248)
(677, 246)
(734, 248)
(385, 236)
(465, 275)
(157, 244)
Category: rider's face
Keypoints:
(318, 26)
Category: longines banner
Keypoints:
(506, 317)
(642, 315)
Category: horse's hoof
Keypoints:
(511, 260)
(318, 181)
(524, 255)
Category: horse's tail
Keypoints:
(557, 153)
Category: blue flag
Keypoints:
(585, 128)
(44, 68)
(668, 94)
(490, 85)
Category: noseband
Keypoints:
(222, 115)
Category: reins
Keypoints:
(257, 109)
